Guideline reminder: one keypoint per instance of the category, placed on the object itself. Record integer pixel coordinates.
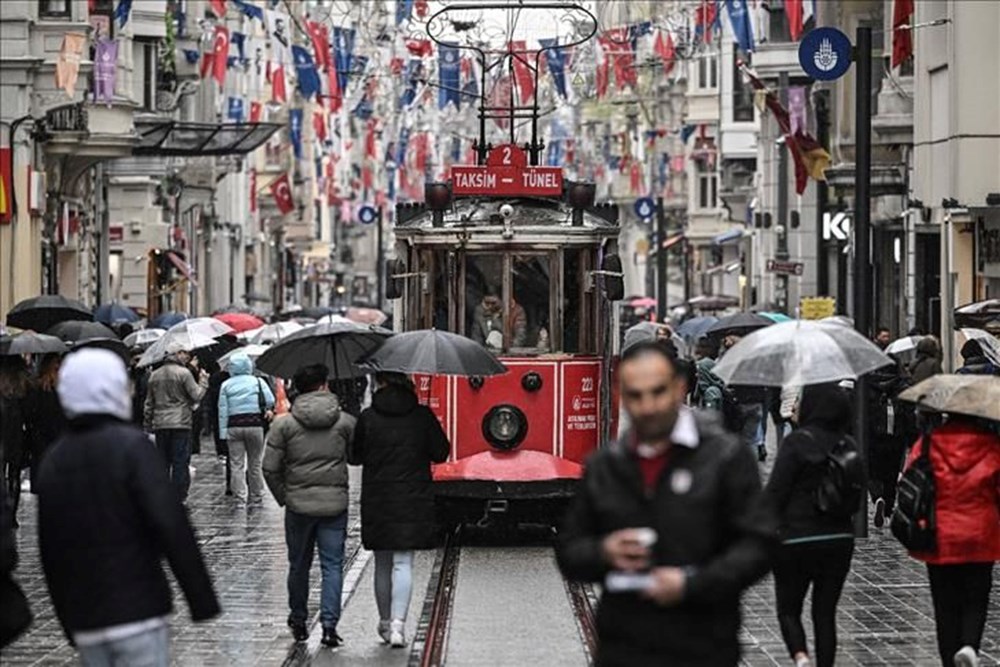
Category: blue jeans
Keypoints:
(302, 534)
(393, 584)
(752, 433)
(175, 445)
(146, 649)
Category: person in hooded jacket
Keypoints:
(816, 547)
(396, 441)
(107, 516)
(245, 405)
(305, 467)
(927, 361)
(975, 361)
(965, 457)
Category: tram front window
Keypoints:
(529, 307)
(484, 300)
(519, 325)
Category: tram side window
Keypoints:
(529, 307)
(484, 300)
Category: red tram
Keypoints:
(526, 264)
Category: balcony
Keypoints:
(89, 131)
(772, 58)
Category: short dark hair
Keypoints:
(882, 328)
(392, 379)
(651, 347)
(310, 378)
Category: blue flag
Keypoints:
(359, 64)
(557, 64)
(305, 69)
(191, 56)
(413, 71)
(470, 89)
(235, 109)
(449, 75)
(403, 10)
(239, 39)
(319, 168)
(402, 146)
(364, 109)
(456, 149)
(739, 17)
(343, 50)
(686, 132)
(638, 30)
(250, 10)
(295, 131)
(122, 11)
(662, 168)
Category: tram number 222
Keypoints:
(587, 385)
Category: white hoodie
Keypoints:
(94, 381)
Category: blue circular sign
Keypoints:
(825, 53)
(367, 215)
(645, 207)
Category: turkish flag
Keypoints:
(320, 37)
(278, 93)
(219, 8)
(665, 48)
(281, 190)
(370, 138)
(522, 73)
(319, 125)
(220, 54)
(333, 83)
(794, 12)
(256, 112)
(902, 38)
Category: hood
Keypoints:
(825, 406)
(644, 331)
(962, 443)
(240, 364)
(93, 381)
(927, 347)
(316, 409)
(394, 401)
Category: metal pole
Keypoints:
(103, 239)
(379, 261)
(822, 195)
(661, 262)
(862, 222)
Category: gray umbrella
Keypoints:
(974, 395)
(30, 342)
(799, 353)
(337, 345)
(77, 331)
(436, 353)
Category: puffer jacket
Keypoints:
(171, 395)
(241, 394)
(305, 460)
(966, 462)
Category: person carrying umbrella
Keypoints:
(44, 418)
(975, 361)
(245, 406)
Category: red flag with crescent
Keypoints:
(220, 54)
(278, 93)
(320, 37)
(256, 112)
(281, 190)
(219, 8)
(319, 125)
(333, 84)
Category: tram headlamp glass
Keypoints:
(505, 427)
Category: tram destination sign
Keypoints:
(507, 174)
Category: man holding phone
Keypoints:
(669, 519)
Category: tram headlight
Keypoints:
(505, 427)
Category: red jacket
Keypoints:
(966, 462)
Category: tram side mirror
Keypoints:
(614, 281)
(394, 284)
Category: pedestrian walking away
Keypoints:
(171, 396)
(44, 421)
(107, 516)
(245, 407)
(667, 601)
(305, 467)
(927, 361)
(14, 386)
(886, 432)
(816, 545)
(965, 459)
(396, 441)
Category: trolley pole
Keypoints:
(661, 261)
(379, 261)
(862, 222)
(822, 104)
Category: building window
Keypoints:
(146, 56)
(708, 72)
(777, 23)
(707, 184)
(742, 93)
(53, 8)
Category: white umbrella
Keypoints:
(253, 351)
(144, 337)
(799, 353)
(173, 341)
(989, 343)
(204, 326)
(272, 333)
(904, 347)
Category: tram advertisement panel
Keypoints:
(580, 413)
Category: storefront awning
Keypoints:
(174, 138)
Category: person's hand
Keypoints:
(626, 550)
(269, 415)
(202, 376)
(667, 587)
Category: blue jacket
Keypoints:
(239, 395)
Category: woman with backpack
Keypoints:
(817, 538)
(964, 458)
(245, 407)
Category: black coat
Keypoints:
(107, 514)
(396, 439)
(44, 423)
(716, 526)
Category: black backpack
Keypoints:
(842, 484)
(914, 522)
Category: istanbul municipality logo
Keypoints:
(825, 53)
(825, 58)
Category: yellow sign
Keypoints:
(816, 308)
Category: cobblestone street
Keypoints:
(884, 619)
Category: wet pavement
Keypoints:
(885, 616)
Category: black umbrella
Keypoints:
(337, 345)
(113, 313)
(713, 302)
(30, 342)
(40, 313)
(113, 344)
(739, 324)
(436, 353)
(75, 332)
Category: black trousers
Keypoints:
(885, 460)
(961, 595)
(823, 565)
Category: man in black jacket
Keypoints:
(107, 514)
(676, 505)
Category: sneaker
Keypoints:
(761, 453)
(967, 657)
(396, 637)
(879, 519)
(331, 639)
(299, 631)
(384, 631)
(803, 662)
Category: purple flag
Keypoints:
(105, 70)
(797, 108)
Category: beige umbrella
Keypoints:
(973, 395)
